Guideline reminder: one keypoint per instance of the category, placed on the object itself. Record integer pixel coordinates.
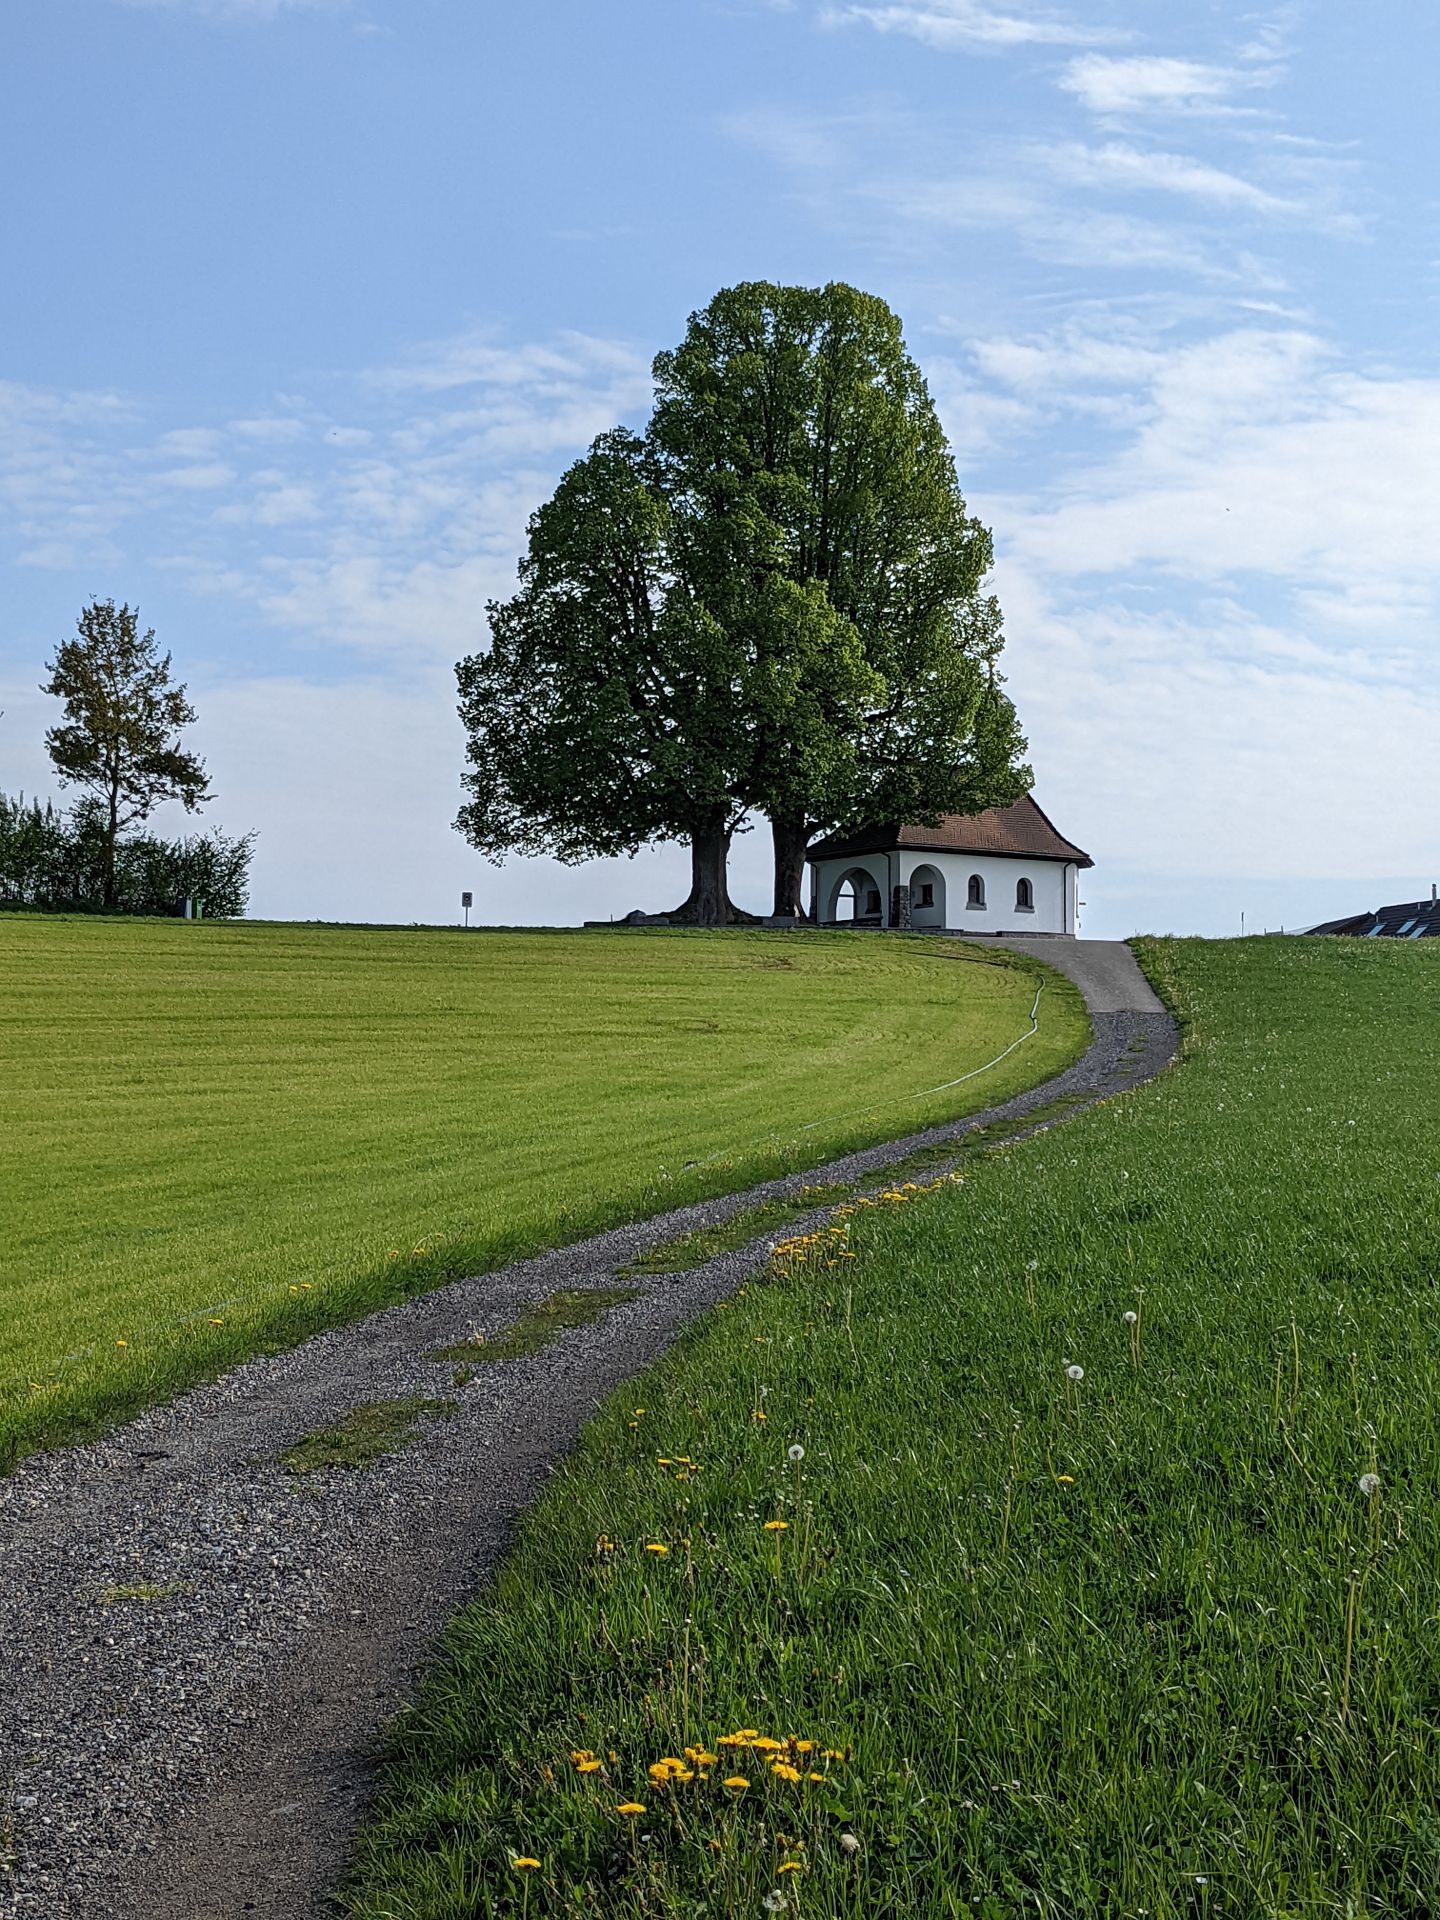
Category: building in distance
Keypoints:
(1412, 920)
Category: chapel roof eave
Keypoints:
(1019, 832)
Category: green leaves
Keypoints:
(771, 602)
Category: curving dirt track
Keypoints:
(199, 1651)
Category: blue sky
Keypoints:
(307, 303)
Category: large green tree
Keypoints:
(609, 709)
(798, 440)
(770, 602)
(119, 739)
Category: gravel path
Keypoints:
(205, 1752)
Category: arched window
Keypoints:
(975, 892)
(1024, 897)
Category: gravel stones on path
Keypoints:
(199, 1650)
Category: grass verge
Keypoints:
(999, 1600)
(365, 1435)
(218, 1138)
(539, 1325)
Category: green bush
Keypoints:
(53, 862)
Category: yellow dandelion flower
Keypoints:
(758, 1414)
(526, 1861)
(661, 1461)
(630, 1807)
(737, 1783)
(656, 1546)
(782, 1770)
(762, 1743)
(815, 1776)
(790, 1866)
(803, 1746)
(776, 1526)
(122, 1343)
(833, 1753)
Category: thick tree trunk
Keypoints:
(791, 837)
(709, 903)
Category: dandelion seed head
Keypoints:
(1369, 1483)
(849, 1843)
(797, 1454)
(1074, 1373)
(1130, 1316)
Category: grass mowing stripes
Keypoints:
(1147, 1641)
(216, 1138)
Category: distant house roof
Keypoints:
(1412, 920)
(1020, 831)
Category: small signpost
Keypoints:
(467, 900)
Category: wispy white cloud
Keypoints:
(1251, 457)
(1145, 83)
(476, 358)
(967, 25)
(1216, 743)
(1146, 170)
(385, 537)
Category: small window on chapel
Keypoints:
(1024, 896)
(976, 892)
(872, 901)
(927, 893)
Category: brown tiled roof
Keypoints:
(1022, 829)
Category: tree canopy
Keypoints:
(123, 713)
(771, 602)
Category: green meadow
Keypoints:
(1060, 1540)
(217, 1138)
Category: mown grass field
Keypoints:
(1149, 1642)
(215, 1138)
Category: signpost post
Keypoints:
(467, 900)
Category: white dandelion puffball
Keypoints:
(1075, 1374)
(849, 1843)
(1130, 1316)
(797, 1453)
(1369, 1483)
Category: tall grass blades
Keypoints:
(1107, 1583)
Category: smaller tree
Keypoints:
(120, 736)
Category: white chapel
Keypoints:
(1007, 870)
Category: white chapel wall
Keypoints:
(949, 875)
(999, 876)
